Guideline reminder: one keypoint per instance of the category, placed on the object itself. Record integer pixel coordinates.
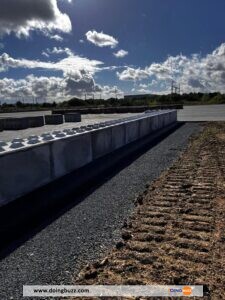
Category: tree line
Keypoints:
(185, 99)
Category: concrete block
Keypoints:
(23, 171)
(118, 136)
(53, 119)
(35, 121)
(73, 117)
(22, 123)
(174, 116)
(132, 131)
(156, 122)
(170, 117)
(71, 153)
(1, 125)
(14, 123)
(145, 126)
(101, 142)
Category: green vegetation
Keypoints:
(186, 99)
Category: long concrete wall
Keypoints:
(21, 123)
(115, 110)
(26, 165)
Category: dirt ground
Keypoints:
(176, 234)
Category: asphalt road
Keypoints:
(198, 113)
(55, 254)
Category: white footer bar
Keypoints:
(112, 291)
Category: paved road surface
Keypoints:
(202, 113)
(84, 232)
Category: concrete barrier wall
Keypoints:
(53, 119)
(73, 117)
(23, 171)
(114, 110)
(35, 121)
(1, 125)
(14, 123)
(28, 164)
(71, 153)
(21, 123)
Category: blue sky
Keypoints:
(55, 49)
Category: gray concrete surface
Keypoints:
(189, 113)
(202, 113)
(71, 154)
(86, 120)
(88, 230)
(21, 170)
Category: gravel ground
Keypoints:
(56, 254)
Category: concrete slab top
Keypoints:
(86, 120)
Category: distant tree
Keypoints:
(19, 104)
(76, 102)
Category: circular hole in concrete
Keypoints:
(16, 145)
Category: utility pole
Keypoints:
(172, 87)
(115, 93)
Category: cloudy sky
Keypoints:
(56, 49)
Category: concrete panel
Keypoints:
(23, 171)
(22, 123)
(101, 142)
(156, 122)
(71, 153)
(145, 126)
(53, 119)
(132, 131)
(15, 123)
(118, 136)
(167, 117)
(174, 116)
(73, 117)
(1, 125)
(35, 121)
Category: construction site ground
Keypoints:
(176, 234)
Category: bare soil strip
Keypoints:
(176, 234)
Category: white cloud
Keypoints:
(52, 88)
(44, 53)
(131, 74)
(58, 51)
(74, 65)
(23, 16)
(143, 86)
(101, 39)
(77, 80)
(120, 54)
(195, 73)
(56, 37)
